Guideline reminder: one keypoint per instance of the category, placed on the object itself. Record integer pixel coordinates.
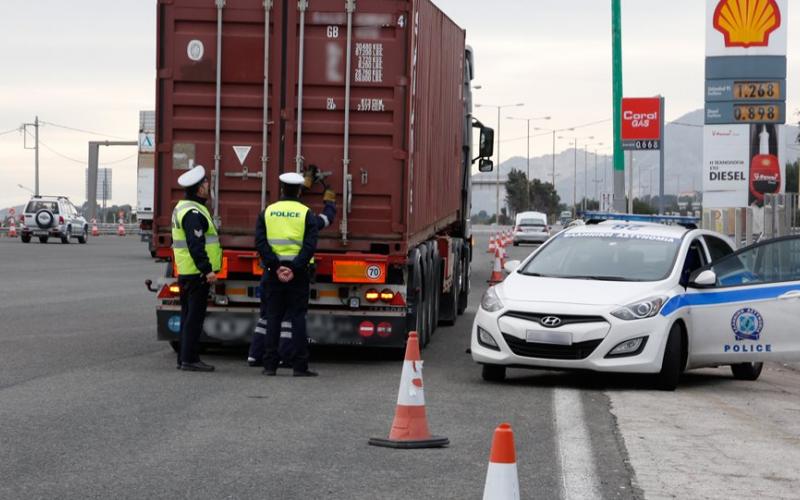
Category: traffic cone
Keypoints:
(501, 478)
(497, 270)
(121, 229)
(12, 229)
(492, 244)
(410, 426)
(95, 231)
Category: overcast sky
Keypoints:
(90, 64)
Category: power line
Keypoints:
(9, 131)
(74, 129)
(82, 162)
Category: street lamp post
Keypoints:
(575, 172)
(529, 120)
(499, 109)
(26, 189)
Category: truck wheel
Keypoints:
(416, 321)
(672, 364)
(466, 269)
(449, 312)
(26, 238)
(43, 239)
(747, 371)
(493, 373)
(436, 291)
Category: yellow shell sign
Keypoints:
(747, 23)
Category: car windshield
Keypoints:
(605, 256)
(532, 222)
(35, 206)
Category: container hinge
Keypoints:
(302, 5)
(350, 5)
(267, 4)
(219, 3)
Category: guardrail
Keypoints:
(105, 230)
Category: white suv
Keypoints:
(55, 216)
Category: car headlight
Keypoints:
(490, 302)
(640, 310)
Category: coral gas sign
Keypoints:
(641, 123)
(746, 27)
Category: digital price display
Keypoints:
(758, 91)
(757, 113)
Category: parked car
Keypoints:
(638, 297)
(56, 216)
(531, 227)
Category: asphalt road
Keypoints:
(91, 406)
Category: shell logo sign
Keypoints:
(747, 23)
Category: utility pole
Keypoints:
(554, 162)
(575, 182)
(619, 159)
(35, 125)
(585, 174)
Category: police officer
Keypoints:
(255, 356)
(286, 238)
(198, 257)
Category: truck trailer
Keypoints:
(377, 95)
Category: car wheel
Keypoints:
(493, 373)
(83, 238)
(43, 239)
(747, 371)
(26, 238)
(65, 237)
(672, 364)
(176, 346)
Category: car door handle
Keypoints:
(794, 294)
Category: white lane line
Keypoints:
(578, 475)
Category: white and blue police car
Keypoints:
(636, 295)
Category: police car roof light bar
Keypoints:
(598, 217)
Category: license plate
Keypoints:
(545, 337)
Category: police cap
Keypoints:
(292, 179)
(192, 177)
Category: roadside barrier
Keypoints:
(502, 482)
(12, 229)
(492, 244)
(121, 230)
(410, 425)
(497, 271)
(95, 230)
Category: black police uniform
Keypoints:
(287, 301)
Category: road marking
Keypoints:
(578, 475)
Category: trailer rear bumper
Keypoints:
(234, 326)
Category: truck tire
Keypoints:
(176, 346)
(466, 269)
(415, 322)
(449, 301)
(425, 306)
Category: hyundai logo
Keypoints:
(550, 321)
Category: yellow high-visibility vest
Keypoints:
(286, 228)
(180, 247)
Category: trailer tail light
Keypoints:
(398, 300)
(387, 296)
(366, 329)
(384, 330)
(372, 295)
(169, 291)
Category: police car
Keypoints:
(636, 295)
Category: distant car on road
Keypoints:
(531, 227)
(640, 297)
(55, 216)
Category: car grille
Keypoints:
(580, 350)
(566, 319)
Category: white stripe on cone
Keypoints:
(411, 392)
(501, 482)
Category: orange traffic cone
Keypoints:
(491, 245)
(121, 229)
(410, 426)
(501, 478)
(12, 229)
(95, 231)
(497, 270)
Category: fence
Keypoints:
(778, 217)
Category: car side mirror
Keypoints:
(486, 142)
(705, 279)
(485, 165)
(511, 266)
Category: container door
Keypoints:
(376, 130)
(751, 314)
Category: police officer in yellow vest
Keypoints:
(286, 238)
(198, 257)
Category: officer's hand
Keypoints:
(330, 195)
(308, 179)
(211, 278)
(285, 274)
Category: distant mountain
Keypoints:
(683, 157)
